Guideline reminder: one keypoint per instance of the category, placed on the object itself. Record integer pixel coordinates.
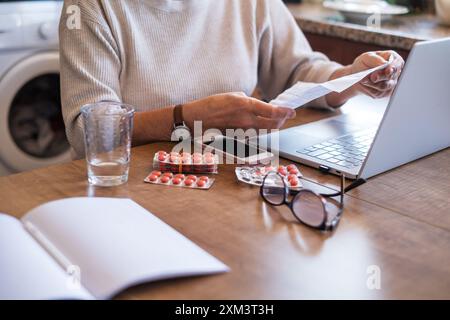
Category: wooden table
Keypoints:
(398, 222)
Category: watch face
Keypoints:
(181, 133)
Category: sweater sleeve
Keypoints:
(90, 67)
(285, 55)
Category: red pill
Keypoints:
(292, 166)
(206, 179)
(156, 173)
(193, 178)
(282, 171)
(165, 179)
(162, 153)
(201, 183)
(153, 178)
(294, 182)
(292, 177)
(162, 157)
(176, 181)
(180, 176)
(294, 171)
(189, 182)
(168, 174)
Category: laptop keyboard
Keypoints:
(348, 151)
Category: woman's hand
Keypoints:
(235, 111)
(379, 84)
(223, 111)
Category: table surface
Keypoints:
(399, 222)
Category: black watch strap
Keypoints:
(178, 119)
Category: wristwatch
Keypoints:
(181, 131)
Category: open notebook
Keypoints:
(106, 244)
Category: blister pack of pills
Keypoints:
(180, 180)
(196, 163)
(255, 175)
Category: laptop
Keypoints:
(415, 124)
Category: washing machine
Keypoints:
(32, 132)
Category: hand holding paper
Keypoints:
(304, 92)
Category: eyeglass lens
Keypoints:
(274, 189)
(333, 211)
(309, 208)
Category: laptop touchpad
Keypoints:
(309, 134)
(327, 130)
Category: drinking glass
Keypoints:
(108, 128)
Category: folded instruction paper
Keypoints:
(304, 92)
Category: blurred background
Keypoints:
(32, 132)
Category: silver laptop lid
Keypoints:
(417, 120)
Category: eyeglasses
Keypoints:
(313, 209)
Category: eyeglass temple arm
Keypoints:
(337, 219)
(352, 186)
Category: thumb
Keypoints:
(385, 54)
(372, 60)
(239, 94)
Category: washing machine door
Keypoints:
(32, 132)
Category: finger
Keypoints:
(382, 75)
(386, 54)
(398, 66)
(384, 94)
(391, 71)
(372, 60)
(292, 114)
(238, 94)
(388, 93)
(271, 124)
(371, 92)
(256, 122)
(382, 86)
(269, 111)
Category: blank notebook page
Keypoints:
(117, 243)
(27, 271)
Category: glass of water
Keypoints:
(108, 128)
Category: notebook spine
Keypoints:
(47, 245)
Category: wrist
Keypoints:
(190, 114)
(336, 100)
(341, 72)
(181, 131)
(199, 110)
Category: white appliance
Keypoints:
(32, 131)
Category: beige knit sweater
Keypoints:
(156, 53)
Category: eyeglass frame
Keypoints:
(323, 198)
